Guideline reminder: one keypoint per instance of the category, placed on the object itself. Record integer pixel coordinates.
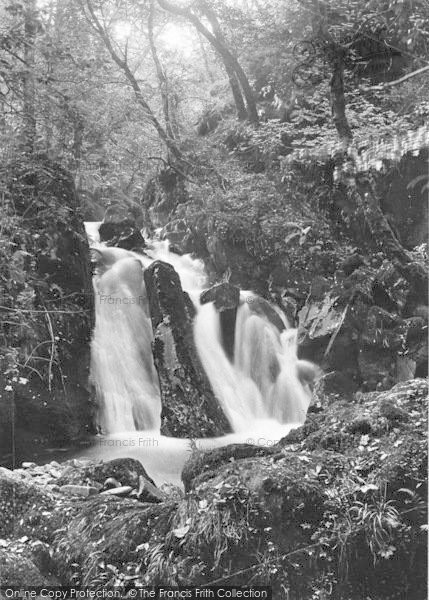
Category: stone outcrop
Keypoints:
(368, 326)
(122, 233)
(189, 407)
(163, 193)
(46, 357)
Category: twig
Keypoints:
(51, 358)
(253, 567)
(31, 310)
(401, 80)
(334, 336)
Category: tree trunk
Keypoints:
(123, 65)
(162, 79)
(338, 101)
(236, 92)
(28, 78)
(229, 60)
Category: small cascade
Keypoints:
(122, 368)
(259, 387)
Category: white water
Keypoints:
(259, 390)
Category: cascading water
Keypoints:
(259, 389)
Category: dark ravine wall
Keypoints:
(48, 312)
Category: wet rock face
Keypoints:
(51, 272)
(180, 236)
(189, 407)
(358, 328)
(123, 234)
(162, 196)
(261, 307)
(226, 298)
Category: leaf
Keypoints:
(367, 487)
(180, 532)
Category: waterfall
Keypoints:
(259, 388)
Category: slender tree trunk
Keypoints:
(338, 101)
(232, 77)
(28, 79)
(236, 92)
(123, 65)
(229, 60)
(162, 79)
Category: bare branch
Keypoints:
(401, 80)
(123, 65)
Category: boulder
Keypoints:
(106, 530)
(356, 327)
(189, 406)
(201, 466)
(226, 298)
(17, 569)
(122, 234)
(18, 498)
(149, 493)
(308, 503)
(126, 471)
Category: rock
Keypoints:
(298, 498)
(218, 253)
(114, 528)
(331, 387)
(162, 195)
(189, 406)
(203, 465)
(148, 492)
(179, 235)
(28, 465)
(226, 298)
(123, 234)
(18, 570)
(58, 277)
(263, 308)
(17, 497)
(390, 289)
(124, 490)
(110, 483)
(78, 490)
(327, 334)
(126, 471)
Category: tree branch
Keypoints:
(401, 80)
(122, 64)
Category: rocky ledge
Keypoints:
(337, 507)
